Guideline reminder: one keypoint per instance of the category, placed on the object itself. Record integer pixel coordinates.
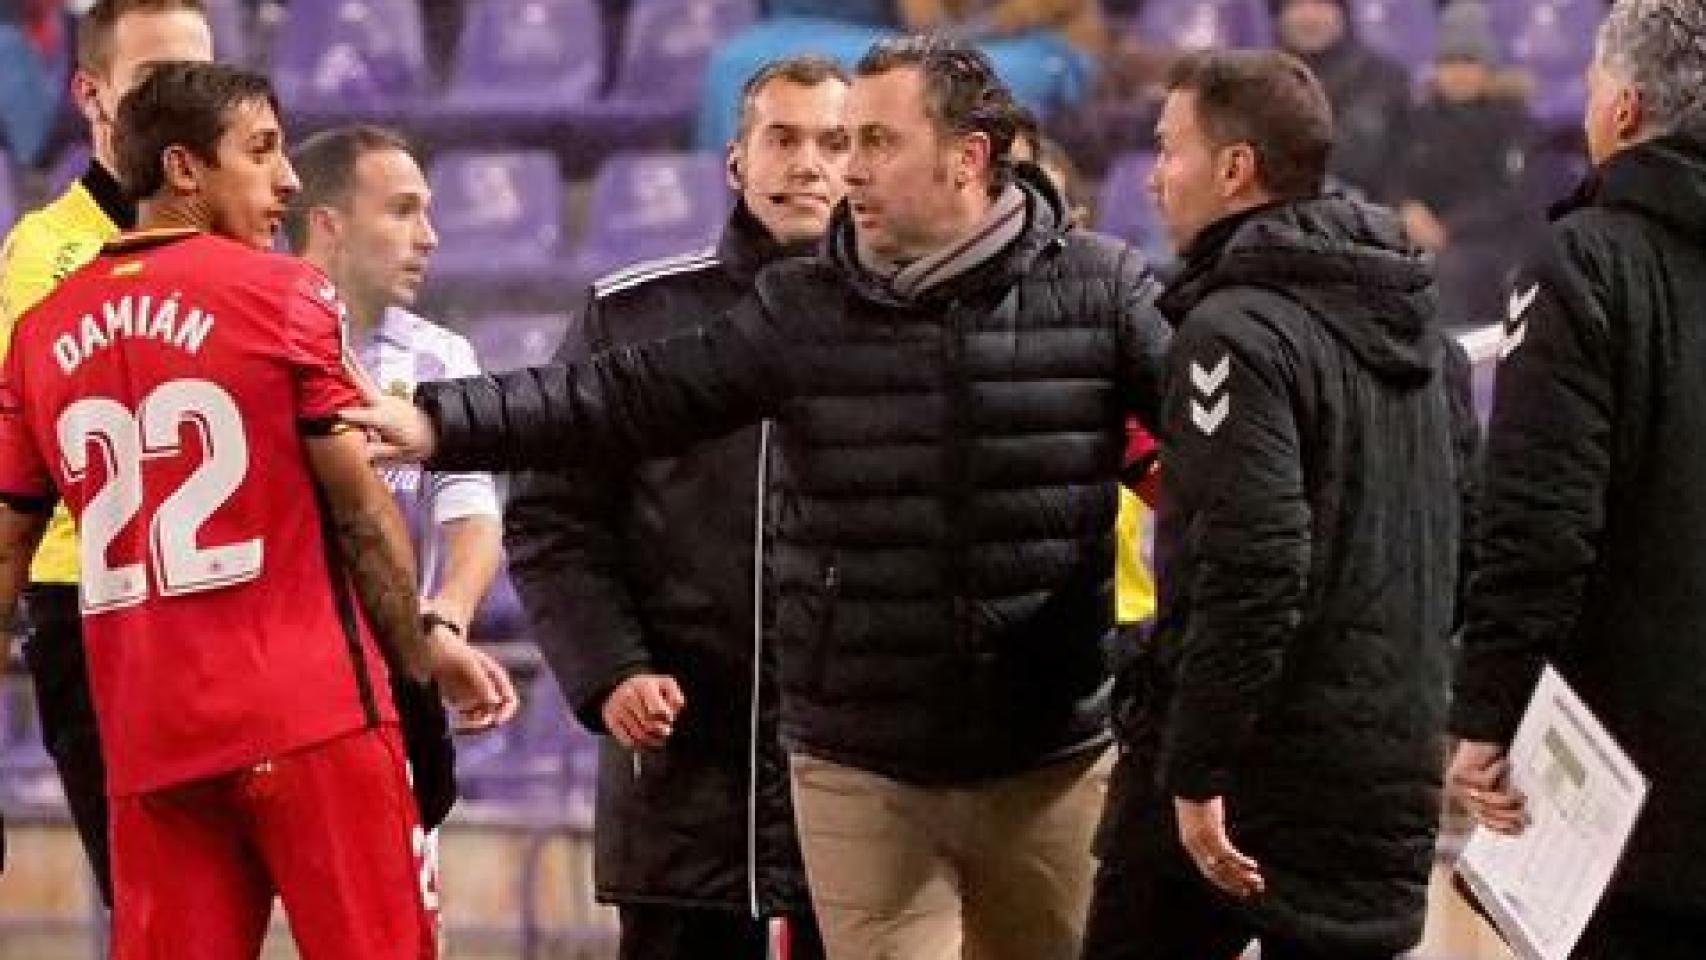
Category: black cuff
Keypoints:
(431, 620)
(35, 505)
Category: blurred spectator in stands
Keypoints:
(1044, 50)
(1460, 185)
(1030, 146)
(1370, 94)
(35, 65)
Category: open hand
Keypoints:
(397, 430)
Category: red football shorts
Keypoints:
(330, 829)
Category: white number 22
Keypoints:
(123, 442)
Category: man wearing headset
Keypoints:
(645, 585)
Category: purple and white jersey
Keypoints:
(400, 352)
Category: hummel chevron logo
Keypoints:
(1209, 382)
(1209, 419)
(1210, 410)
(1516, 323)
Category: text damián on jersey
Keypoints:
(137, 317)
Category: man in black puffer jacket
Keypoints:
(951, 382)
(1591, 548)
(1284, 725)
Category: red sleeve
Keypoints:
(328, 379)
(1142, 472)
(24, 479)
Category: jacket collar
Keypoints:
(746, 246)
(1046, 225)
(1663, 179)
(104, 188)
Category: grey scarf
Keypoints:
(1000, 226)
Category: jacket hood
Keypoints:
(1046, 222)
(1663, 179)
(1346, 262)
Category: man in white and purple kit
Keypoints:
(361, 217)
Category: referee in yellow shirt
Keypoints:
(117, 40)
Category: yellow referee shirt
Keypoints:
(1134, 584)
(45, 247)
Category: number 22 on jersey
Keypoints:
(125, 440)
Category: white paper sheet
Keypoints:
(1584, 795)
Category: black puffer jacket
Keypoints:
(947, 476)
(1315, 467)
(1591, 553)
(651, 570)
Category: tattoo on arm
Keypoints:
(384, 578)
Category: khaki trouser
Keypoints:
(989, 872)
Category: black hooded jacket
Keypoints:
(1591, 550)
(946, 476)
(1315, 466)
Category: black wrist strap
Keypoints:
(432, 620)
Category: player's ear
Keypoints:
(180, 168)
(86, 93)
(737, 182)
(324, 221)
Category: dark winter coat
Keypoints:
(1315, 468)
(947, 473)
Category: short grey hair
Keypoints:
(1658, 47)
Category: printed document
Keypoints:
(1583, 796)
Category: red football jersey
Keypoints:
(163, 392)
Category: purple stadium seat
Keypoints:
(1194, 24)
(666, 46)
(71, 163)
(1554, 41)
(350, 56)
(509, 341)
(1401, 29)
(649, 205)
(230, 36)
(8, 195)
(499, 215)
(1126, 209)
(529, 57)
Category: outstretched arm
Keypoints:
(621, 406)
